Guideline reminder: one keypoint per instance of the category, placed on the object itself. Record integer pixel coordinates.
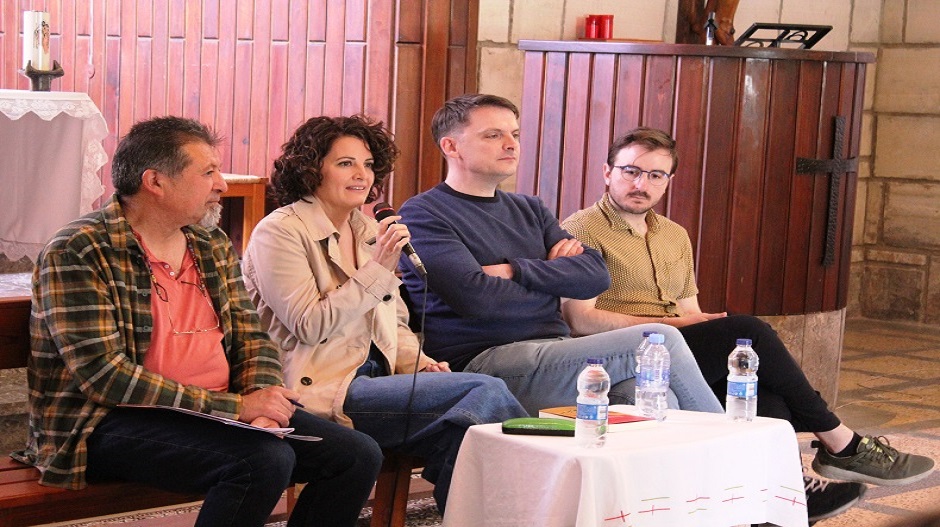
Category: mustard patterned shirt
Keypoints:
(648, 274)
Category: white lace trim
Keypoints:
(47, 105)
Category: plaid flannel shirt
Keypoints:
(90, 330)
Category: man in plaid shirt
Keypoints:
(142, 303)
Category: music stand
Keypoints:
(766, 35)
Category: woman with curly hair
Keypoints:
(322, 275)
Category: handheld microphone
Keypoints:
(384, 210)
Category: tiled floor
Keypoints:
(888, 386)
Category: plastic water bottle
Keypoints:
(590, 428)
(652, 378)
(644, 344)
(741, 401)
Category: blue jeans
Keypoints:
(544, 373)
(443, 406)
(242, 472)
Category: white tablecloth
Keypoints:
(694, 469)
(50, 153)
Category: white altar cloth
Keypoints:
(694, 469)
(50, 153)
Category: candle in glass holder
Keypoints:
(36, 34)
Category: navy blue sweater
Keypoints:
(468, 311)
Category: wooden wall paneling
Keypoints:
(778, 171)
(600, 127)
(224, 111)
(192, 58)
(574, 135)
(255, 69)
(407, 119)
(630, 87)
(278, 104)
(127, 78)
(241, 106)
(470, 47)
(176, 58)
(160, 66)
(437, 22)
(816, 279)
(530, 120)
(354, 59)
(660, 92)
(722, 109)
(801, 188)
(858, 106)
(685, 190)
(354, 65)
(65, 39)
(260, 102)
(380, 60)
(334, 58)
(747, 187)
(846, 206)
(551, 133)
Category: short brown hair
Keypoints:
(650, 139)
(456, 112)
(297, 171)
(156, 144)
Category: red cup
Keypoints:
(605, 28)
(592, 24)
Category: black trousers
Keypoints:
(782, 389)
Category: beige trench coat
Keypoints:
(322, 312)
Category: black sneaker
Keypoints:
(875, 462)
(825, 499)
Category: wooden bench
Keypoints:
(23, 501)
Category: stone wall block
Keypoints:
(874, 193)
(892, 292)
(861, 199)
(494, 21)
(908, 80)
(537, 19)
(906, 146)
(922, 18)
(932, 310)
(866, 21)
(912, 215)
(892, 21)
(501, 72)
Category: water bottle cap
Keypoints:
(646, 334)
(657, 338)
(744, 342)
(595, 360)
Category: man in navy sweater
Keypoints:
(499, 266)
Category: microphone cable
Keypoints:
(414, 375)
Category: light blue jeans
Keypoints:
(544, 373)
(442, 407)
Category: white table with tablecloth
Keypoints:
(50, 153)
(693, 469)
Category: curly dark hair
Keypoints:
(297, 172)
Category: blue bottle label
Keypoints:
(592, 412)
(742, 389)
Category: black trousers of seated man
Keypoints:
(783, 391)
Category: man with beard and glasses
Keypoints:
(653, 280)
(142, 303)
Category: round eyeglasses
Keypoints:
(633, 174)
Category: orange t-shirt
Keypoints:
(190, 358)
